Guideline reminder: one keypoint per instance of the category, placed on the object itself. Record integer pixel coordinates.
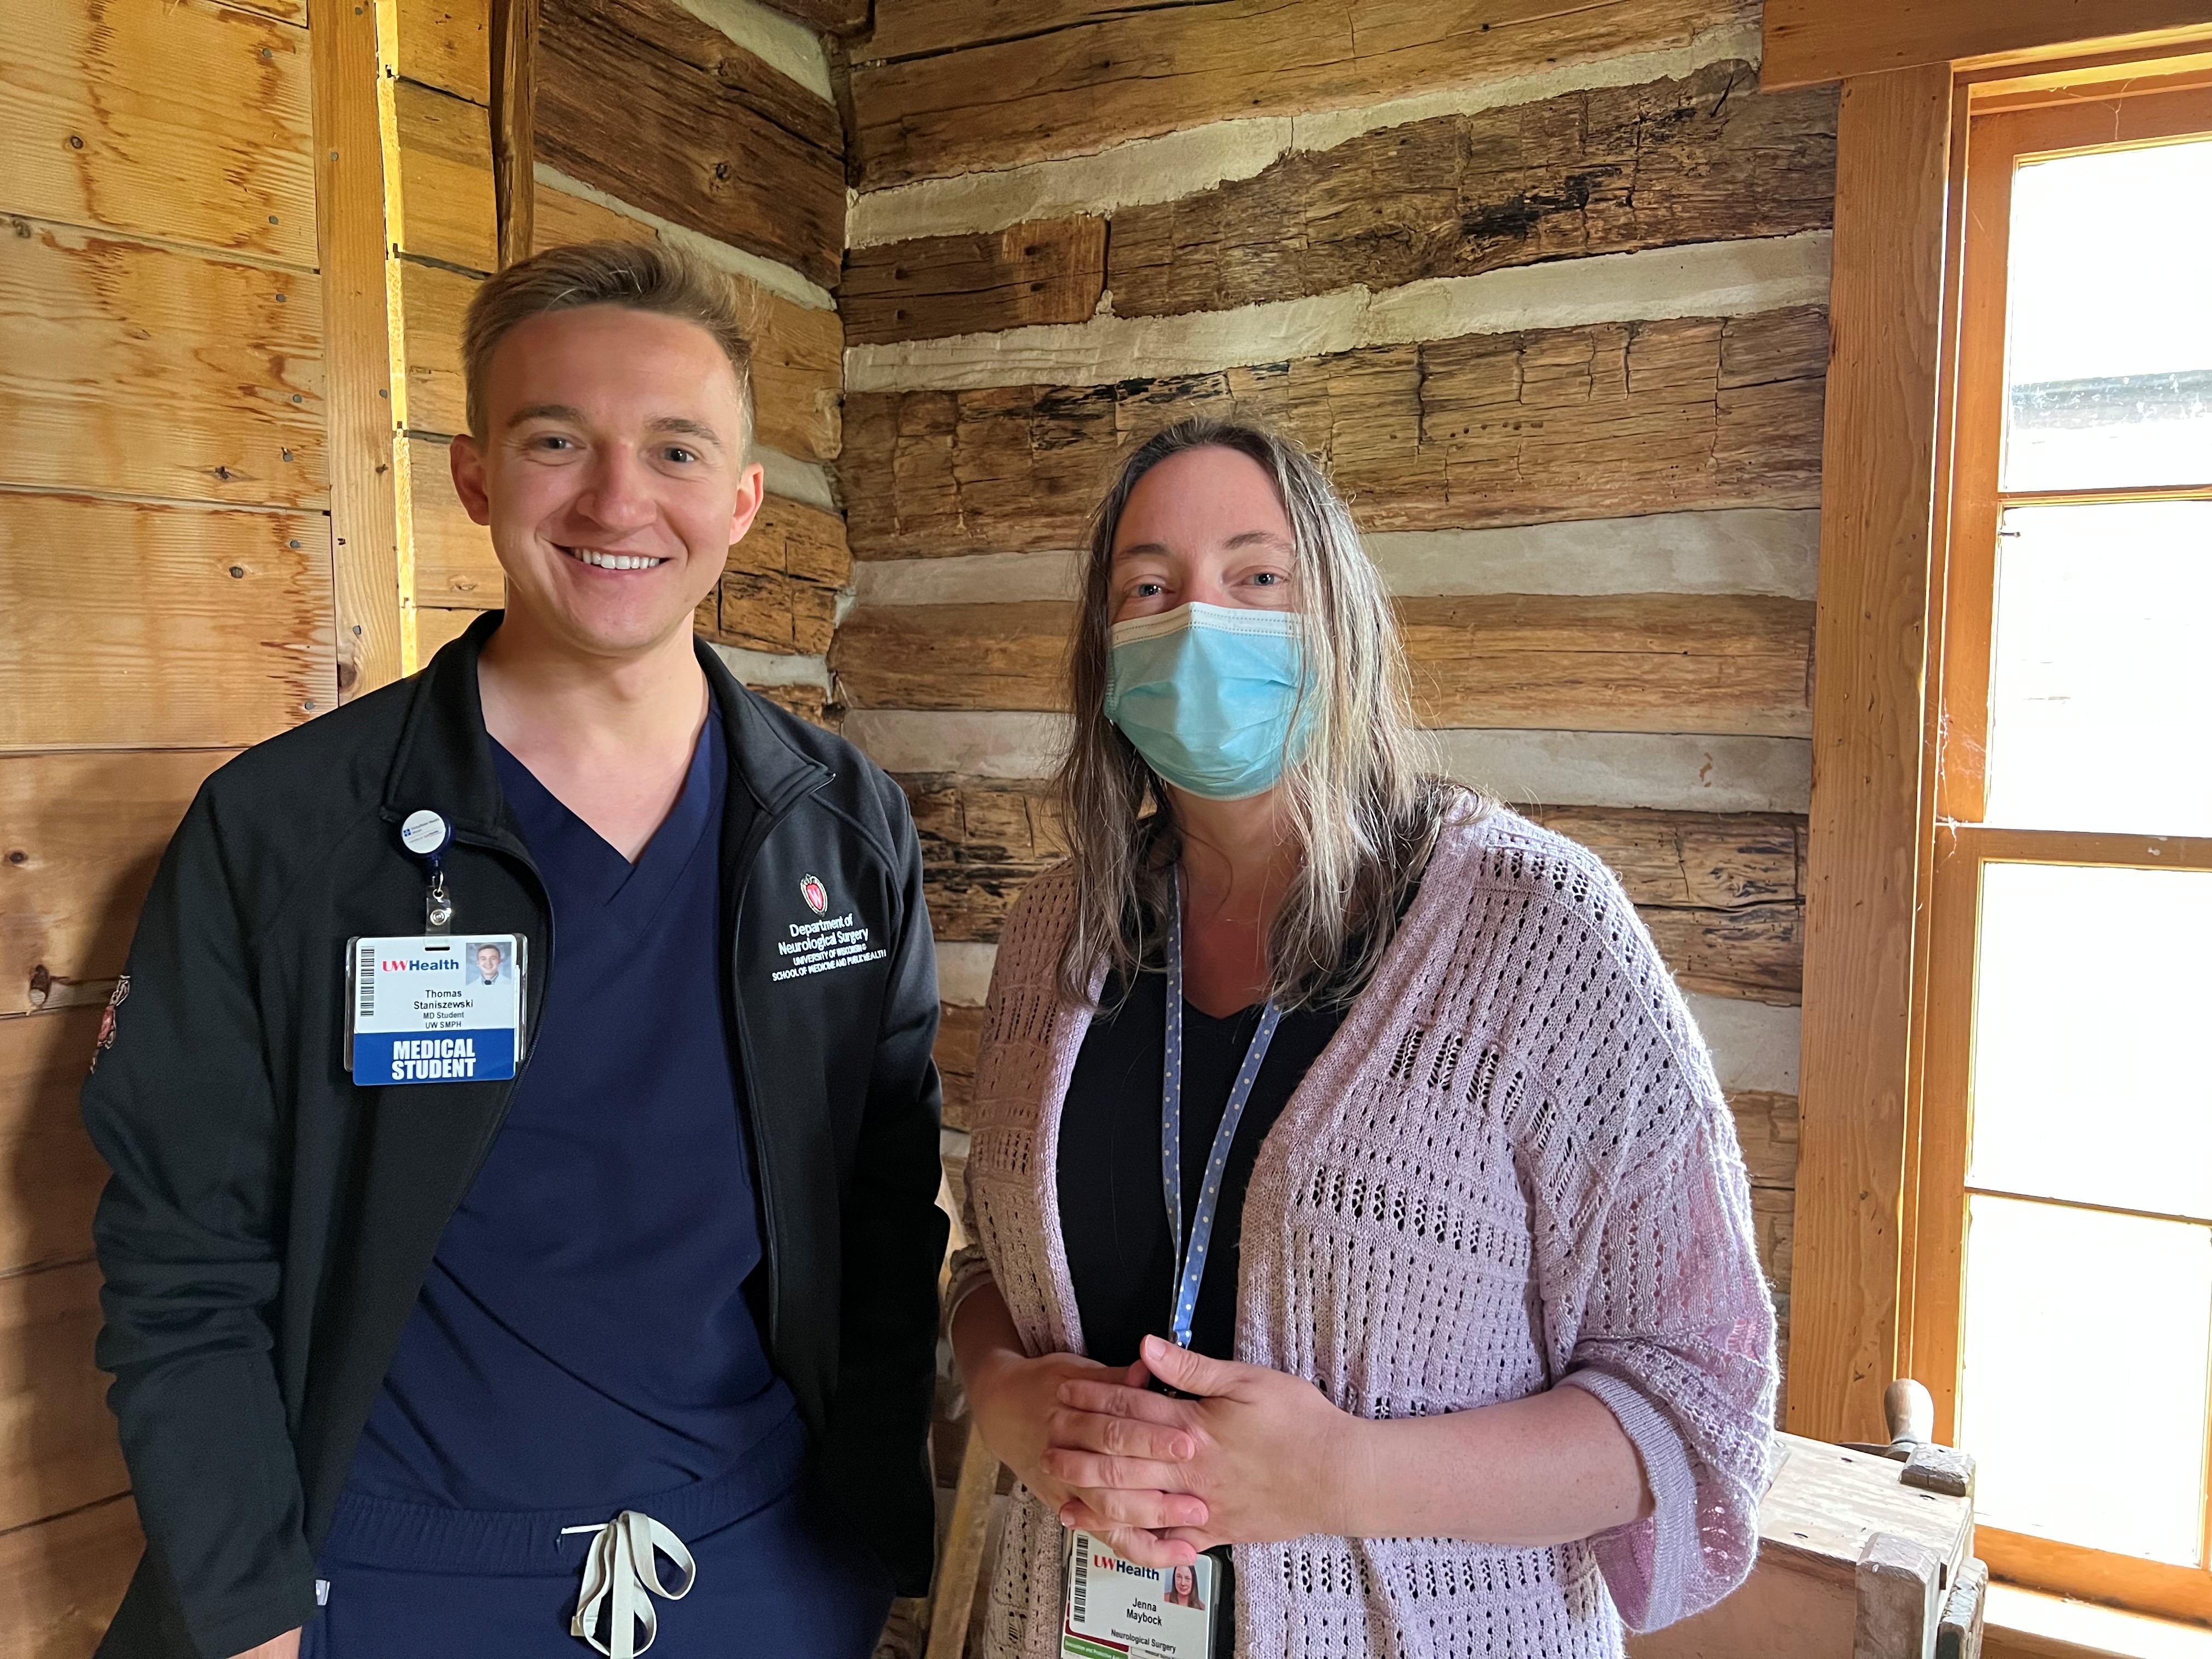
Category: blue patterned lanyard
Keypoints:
(1190, 1261)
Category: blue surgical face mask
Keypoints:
(1208, 694)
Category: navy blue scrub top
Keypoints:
(584, 1334)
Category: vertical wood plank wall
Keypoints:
(166, 597)
(1549, 295)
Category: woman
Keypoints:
(1183, 1589)
(1464, 1341)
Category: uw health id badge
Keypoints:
(1116, 1608)
(436, 1008)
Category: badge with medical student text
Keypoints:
(1116, 1608)
(437, 1008)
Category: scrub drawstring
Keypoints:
(620, 1574)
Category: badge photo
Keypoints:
(434, 1008)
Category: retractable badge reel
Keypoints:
(433, 1007)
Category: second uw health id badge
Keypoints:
(442, 1008)
(1116, 1608)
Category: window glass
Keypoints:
(2109, 319)
(2090, 999)
(2069, 1314)
(2100, 672)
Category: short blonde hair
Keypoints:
(649, 277)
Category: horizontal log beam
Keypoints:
(641, 100)
(447, 44)
(1732, 664)
(829, 16)
(1002, 85)
(1049, 270)
(52, 1170)
(433, 302)
(153, 371)
(83, 832)
(447, 212)
(1599, 421)
(1703, 159)
(1720, 860)
(1766, 1130)
(1721, 893)
(57, 1443)
(164, 627)
(63, 1579)
(1758, 952)
(810, 702)
(221, 156)
(779, 591)
(1608, 170)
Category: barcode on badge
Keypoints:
(365, 983)
(1082, 1578)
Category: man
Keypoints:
(494, 1364)
(491, 964)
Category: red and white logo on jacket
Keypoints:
(816, 895)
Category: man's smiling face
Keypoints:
(487, 963)
(612, 474)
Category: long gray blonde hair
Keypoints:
(1365, 814)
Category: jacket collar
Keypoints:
(444, 759)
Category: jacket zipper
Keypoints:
(771, 815)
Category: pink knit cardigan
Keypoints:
(1511, 1171)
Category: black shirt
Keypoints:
(1121, 1254)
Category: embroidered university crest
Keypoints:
(816, 895)
(107, 1037)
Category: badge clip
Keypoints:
(425, 835)
(437, 908)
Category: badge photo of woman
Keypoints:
(1182, 1589)
(1353, 1188)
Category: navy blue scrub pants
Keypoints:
(779, 1577)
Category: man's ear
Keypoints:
(752, 491)
(468, 467)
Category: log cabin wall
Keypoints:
(167, 597)
(1546, 292)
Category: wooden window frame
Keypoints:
(2001, 128)
(1885, 541)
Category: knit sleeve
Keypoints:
(1677, 1338)
(971, 1268)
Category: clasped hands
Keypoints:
(1259, 1456)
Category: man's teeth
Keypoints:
(614, 560)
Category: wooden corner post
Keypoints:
(1871, 642)
(357, 182)
(513, 123)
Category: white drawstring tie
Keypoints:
(621, 1572)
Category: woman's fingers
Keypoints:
(1099, 1471)
(1135, 1544)
(1198, 1538)
(1113, 1400)
(1155, 1511)
(1119, 1437)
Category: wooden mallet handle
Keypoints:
(1910, 1410)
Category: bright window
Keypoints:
(2063, 1267)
